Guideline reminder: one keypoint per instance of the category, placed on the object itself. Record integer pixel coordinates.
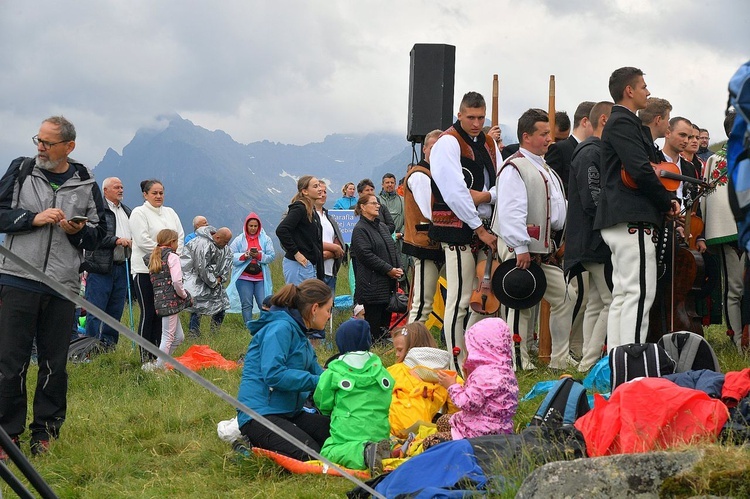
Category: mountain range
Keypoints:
(208, 173)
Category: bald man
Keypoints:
(107, 282)
(206, 266)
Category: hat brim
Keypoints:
(507, 296)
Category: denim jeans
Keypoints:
(294, 273)
(330, 281)
(108, 292)
(247, 291)
(195, 322)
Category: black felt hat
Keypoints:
(519, 288)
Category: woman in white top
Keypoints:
(145, 223)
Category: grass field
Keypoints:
(135, 434)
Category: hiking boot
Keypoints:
(4, 455)
(39, 447)
(375, 452)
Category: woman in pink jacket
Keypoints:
(489, 398)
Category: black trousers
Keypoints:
(25, 315)
(379, 320)
(310, 429)
(149, 326)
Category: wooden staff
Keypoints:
(494, 100)
(545, 338)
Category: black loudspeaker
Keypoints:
(431, 82)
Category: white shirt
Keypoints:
(122, 228)
(445, 165)
(328, 235)
(420, 186)
(512, 206)
(678, 192)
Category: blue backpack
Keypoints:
(738, 146)
(565, 402)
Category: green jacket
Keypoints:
(356, 391)
(395, 206)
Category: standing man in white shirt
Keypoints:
(107, 282)
(531, 209)
(464, 166)
(427, 253)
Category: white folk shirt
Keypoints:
(421, 188)
(447, 172)
(513, 205)
(678, 192)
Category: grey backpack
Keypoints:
(690, 351)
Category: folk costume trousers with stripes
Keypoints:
(426, 275)
(460, 271)
(596, 315)
(633, 281)
(580, 283)
(561, 298)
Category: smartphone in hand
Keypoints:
(79, 219)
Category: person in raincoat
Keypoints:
(206, 262)
(356, 391)
(252, 253)
(489, 398)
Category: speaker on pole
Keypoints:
(431, 82)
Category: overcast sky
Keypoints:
(296, 71)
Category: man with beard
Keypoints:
(51, 210)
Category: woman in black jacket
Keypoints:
(378, 265)
(301, 235)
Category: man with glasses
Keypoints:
(51, 210)
(703, 151)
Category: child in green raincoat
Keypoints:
(356, 391)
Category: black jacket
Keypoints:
(297, 233)
(582, 243)
(626, 142)
(375, 254)
(99, 261)
(559, 156)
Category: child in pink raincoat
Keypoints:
(489, 398)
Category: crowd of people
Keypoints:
(577, 212)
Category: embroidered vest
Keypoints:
(446, 226)
(538, 204)
(416, 240)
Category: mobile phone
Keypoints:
(79, 219)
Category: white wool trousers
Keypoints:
(460, 272)
(633, 281)
(596, 315)
(424, 285)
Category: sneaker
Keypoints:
(150, 367)
(4, 455)
(375, 452)
(39, 447)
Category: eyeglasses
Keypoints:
(373, 203)
(46, 145)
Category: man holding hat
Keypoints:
(531, 208)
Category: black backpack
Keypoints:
(564, 403)
(83, 349)
(639, 360)
(690, 351)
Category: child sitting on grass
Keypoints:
(356, 391)
(489, 398)
(169, 295)
(416, 399)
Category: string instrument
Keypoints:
(483, 300)
(669, 174)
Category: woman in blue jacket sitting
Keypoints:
(281, 369)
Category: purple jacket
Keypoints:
(489, 398)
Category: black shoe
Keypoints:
(39, 447)
(4, 455)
